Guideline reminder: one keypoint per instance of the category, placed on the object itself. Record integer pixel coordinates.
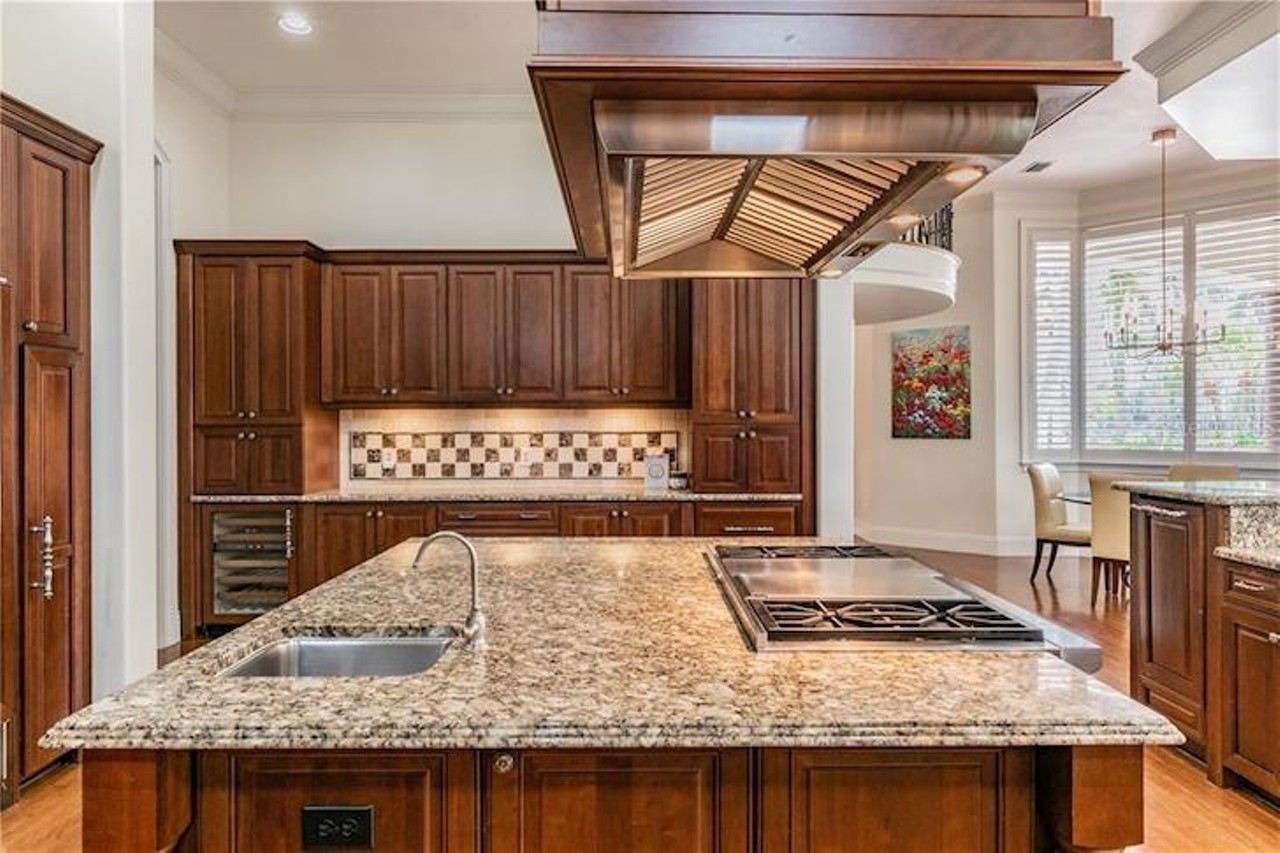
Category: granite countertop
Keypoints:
(595, 643)
(499, 491)
(1263, 559)
(1212, 492)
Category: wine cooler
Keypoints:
(251, 554)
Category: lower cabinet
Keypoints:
(345, 535)
(627, 519)
(746, 519)
(1246, 720)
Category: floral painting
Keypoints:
(931, 383)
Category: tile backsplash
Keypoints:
(506, 455)
(407, 446)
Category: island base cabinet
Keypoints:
(592, 801)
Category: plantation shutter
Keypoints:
(1237, 382)
(1132, 401)
(1052, 381)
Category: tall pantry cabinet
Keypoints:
(44, 431)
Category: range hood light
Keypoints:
(831, 272)
(965, 175)
(906, 219)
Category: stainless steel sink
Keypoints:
(342, 656)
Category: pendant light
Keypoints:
(1174, 331)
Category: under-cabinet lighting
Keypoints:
(294, 23)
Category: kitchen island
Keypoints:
(613, 705)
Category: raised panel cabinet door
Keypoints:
(962, 800)
(1251, 693)
(221, 461)
(419, 346)
(354, 308)
(275, 460)
(418, 801)
(588, 519)
(770, 342)
(52, 285)
(275, 338)
(591, 335)
(1168, 613)
(400, 521)
(773, 459)
(476, 330)
(719, 458)
(652, 519)
(600, 801)
(534, 351)
(651, 342)
(717, 361)
(54, 546)
(345, 536)
(219, 290)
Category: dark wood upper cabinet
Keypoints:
(476, 329)
(418, 351)
(219, 292)
(747, 354)
(52, 200)
(532, 318)
(355, 313)
(625, 341)
(274, 335)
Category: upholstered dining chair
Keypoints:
(1052, 528)
(1196, 471)
(1109, 532)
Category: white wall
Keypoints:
(89, 64)
(449, 179)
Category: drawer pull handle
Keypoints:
(504, 763)
(1160, 511)
(748, 528)
(467, 516)
(528, 516)
(1273, 638)
(31, 326)
(1248, 585)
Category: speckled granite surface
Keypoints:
(503, 491)
(1261, 559)
(596, 643)
(1214, 492)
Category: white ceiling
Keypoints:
(479, 47)
(476, 47)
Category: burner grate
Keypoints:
(821, 552)
(904, 619)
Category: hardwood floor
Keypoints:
(1184, 812)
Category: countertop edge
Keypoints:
(1226, 493)
(1249, 556)
(508, 497)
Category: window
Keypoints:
(1131, 401)
(1052, 385)
(1089, 401)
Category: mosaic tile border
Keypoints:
(522, 455)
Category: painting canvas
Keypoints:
(931, 383)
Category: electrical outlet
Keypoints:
(349, 827)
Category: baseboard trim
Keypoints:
(962, 543)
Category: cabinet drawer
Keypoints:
(500, 519)
(1252, 586)
(746, 520)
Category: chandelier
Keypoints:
(1175, 331)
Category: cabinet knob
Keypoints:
(498, 391)
(379, 513)
(4, 279)
(742, 434)
(31, 326)
(394, 390)
(368, 513)
(252, 414)
(240, 436)
(613, 513)
(510, 391)
(751, 413)
(383, 391)
(253, 436)
(1273, 638)
(626, 391)
(613, 390)
(504, 762)
(626, 514)
(751, 434)
(742, 413)
(239, 414)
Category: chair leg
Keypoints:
(1053, 555)
(1097, 574)
(1035, 567)
(1107, 569)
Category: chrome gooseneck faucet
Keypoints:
(472, 632)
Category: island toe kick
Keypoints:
(769, 800)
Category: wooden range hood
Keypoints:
(729, 139)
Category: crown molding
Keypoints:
(1207, 39)
(179, 65)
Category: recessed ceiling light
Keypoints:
(965, 174)
(294, 23)
(906, 219)
(831, 272)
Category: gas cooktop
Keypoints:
(830, 597)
